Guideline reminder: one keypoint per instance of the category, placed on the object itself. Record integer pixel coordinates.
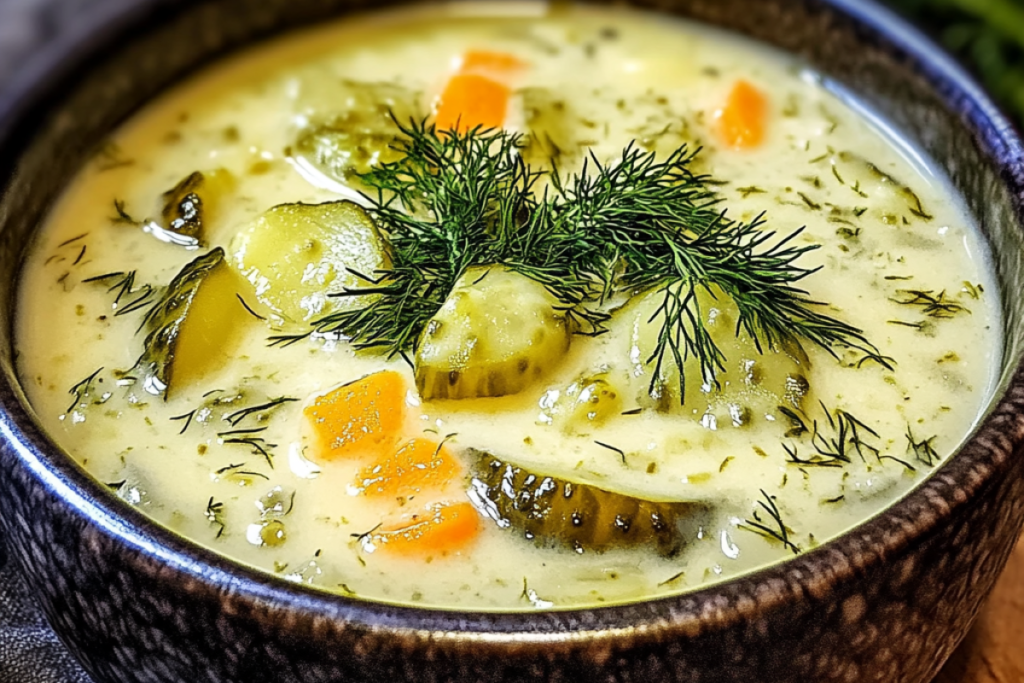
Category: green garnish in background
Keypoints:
(987, 35)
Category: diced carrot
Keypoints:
(418, 464)
(743, 120)
(471, 100)
(363, 416)
(498, 64)
(440, 528)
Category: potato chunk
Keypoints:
(294, 255)
(497, 332)
(195, 326)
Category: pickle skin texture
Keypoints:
(496, 334)
(189, 205)
(195, 327)
(294, 255)
(555, 512)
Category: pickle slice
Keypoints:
(497, 332)
(349, 125)
(294, 255)
(187, 208)
(195, 326)
(752, 383)
(556, 512)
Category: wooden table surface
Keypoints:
(993, 651)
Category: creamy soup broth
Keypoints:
(899, 259)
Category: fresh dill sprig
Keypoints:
(452, 201)
(777, 528)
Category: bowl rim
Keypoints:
(984, 454)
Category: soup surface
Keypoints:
(517, 448)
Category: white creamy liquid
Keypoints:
(633, 76)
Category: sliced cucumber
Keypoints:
(349, 125)
(496, 334)
(195, 326)
(187, 207)
(553, 512)
(294, 255)
(752, 383)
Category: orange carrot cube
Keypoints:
(419, 464)
(440, 528)
(470, 100)
(743, 120)
(365, 416)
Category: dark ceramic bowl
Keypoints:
(887, 601)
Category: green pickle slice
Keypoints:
(497, 332)
(295, 255)
(194, 328)
(556, 512)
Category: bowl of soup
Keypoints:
(495, 341)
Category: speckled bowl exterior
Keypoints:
(886, 602)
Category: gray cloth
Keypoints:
(29, 650)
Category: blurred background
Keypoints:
(987, 35)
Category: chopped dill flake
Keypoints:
(259, 410)
(109, 156)
(247, 437)
(187, 417)
(972, 290)
(248, 308)
(811, 204)
(923, 450)
(82, 390)
(774, 529)
(622, 454)
(215, 514)
(747, 191)
(932, 305)
(139, 298)
(122, 217)
(916, 326)
(833, 441)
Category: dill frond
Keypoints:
(452, 201)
